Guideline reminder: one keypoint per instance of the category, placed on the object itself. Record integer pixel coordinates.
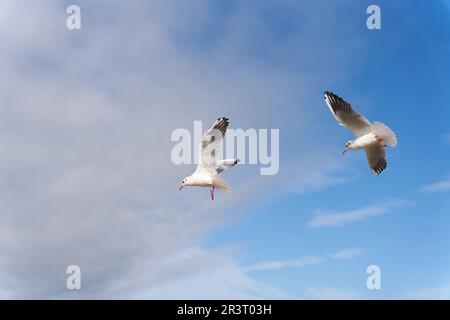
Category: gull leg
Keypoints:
(212, 192)
(381, 142)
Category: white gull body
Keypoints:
(209, 168)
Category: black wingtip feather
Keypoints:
(337, 103)
(380, 167)
(222, 124)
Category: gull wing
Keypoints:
(346, 116)
(376, 157)
(210, 146)
(223, 165)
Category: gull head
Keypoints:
(185, 182)
(348, 146)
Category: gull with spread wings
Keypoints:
(209, 168)
(373, 138)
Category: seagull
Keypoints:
(373, 138)
(209, 168)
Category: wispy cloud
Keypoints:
(203, 274)
(337, 219)
(347, 253)
(437, 186)
(305, 261)
(428, 293)
(198, 274)
(280, 264)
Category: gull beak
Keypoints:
(181, 187)
(345, 150)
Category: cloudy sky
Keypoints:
(86, 118)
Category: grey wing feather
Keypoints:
(210, 144)
(346, 116)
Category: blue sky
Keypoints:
(85, 131)
(402, 74)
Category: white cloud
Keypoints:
(347, 253)
(305, 261)
(428, 293)
(279, 264)
(437, 186)
(337, 219)
(199, 274)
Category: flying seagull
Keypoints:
(209, 168)
(373, 138)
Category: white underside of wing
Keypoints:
(376, 158)
(346, 117)
(209, 147)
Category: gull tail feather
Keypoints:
(385, 133)
(221, 184)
